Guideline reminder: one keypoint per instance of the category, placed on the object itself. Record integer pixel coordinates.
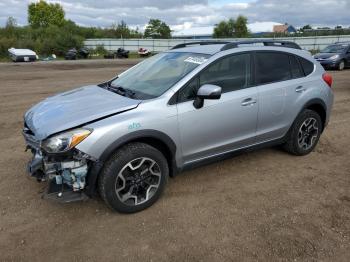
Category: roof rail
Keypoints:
(200, 43)
(279, 43)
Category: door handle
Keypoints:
(248, 102)
(300, 89)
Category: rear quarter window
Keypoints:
(271, 67)
(297, 71)
(308, 67)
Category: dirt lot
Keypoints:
(259, 206)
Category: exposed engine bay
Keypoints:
(65, 173)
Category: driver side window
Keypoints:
(189, 92)
(230, 73)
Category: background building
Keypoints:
(284, 29)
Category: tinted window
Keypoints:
(272, 67)
(230, 73)
(189, 92)
(308, 66)
(338, 48)
(295, 67)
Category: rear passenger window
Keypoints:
(297, 72)
(308, 66)
(271, 67)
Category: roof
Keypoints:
(283, 28)
(342, 43)
(21, 52)
(216, 48)
(213, 47)
(280, 28)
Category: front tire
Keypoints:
(304, 133)
(341, 65)
(134, 178)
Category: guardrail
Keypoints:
(158, 45)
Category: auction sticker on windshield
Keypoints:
(196, 60)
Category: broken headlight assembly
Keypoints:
(65, 141)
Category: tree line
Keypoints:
(232, 28)
(48, 32)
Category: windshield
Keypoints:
(155, 75)
(334, 49)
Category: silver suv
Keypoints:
(193, 104)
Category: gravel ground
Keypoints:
(260, 206)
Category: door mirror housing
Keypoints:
(206, 92)
(209, 92)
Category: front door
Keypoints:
(221, 125)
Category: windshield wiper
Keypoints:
(121, 91)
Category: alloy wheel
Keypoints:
(308, 133)
(138, 181)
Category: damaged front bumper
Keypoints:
(66, 173)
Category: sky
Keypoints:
(184, 14)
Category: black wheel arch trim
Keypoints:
(312, 102)
(140, 134)
(316, 101)
(97, 166)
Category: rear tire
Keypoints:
(134, 178)
(304, 133)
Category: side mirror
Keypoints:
(206, 92)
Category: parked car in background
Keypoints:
(73, 54)
(22, 55)
(190, 105)
(120, 53)
(143, 52)
(335, 56)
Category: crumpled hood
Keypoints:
(73, 108)
(325, 55)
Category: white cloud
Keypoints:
(184, 14)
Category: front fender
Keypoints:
(140, 134)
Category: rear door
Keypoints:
(278, 76)
(220, 125)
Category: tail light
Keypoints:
(328, 79)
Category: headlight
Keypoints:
(334, 57)
(65, 141)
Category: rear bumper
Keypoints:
(23, 58)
